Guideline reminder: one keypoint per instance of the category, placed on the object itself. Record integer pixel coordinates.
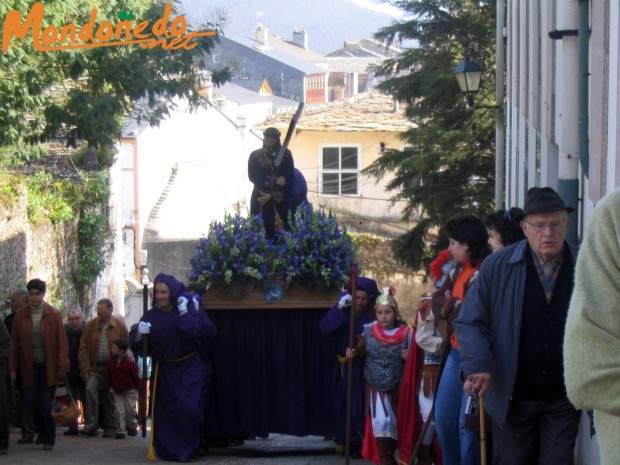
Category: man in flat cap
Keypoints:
(511, 330)
(272, 183)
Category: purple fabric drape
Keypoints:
(273, 372)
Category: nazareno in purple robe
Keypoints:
(181, 373)
(335, 325)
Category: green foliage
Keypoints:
(58, 201)
(8, 189)
(93, 233)
(448, 166)
(87, 94)
(365, 240)
(105, 156)
(50, 199)
(16, 155)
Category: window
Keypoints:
(340, 170)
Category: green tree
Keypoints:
(448, 165)
(87, 94)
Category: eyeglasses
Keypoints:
(554, 226)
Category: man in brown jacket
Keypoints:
(97, 339)
(41, 353)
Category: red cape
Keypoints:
(409, 420)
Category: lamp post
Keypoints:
(468, 75)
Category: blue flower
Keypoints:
(233, 249)
(315, 251)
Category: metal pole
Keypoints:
(145, 345)
(350, 362)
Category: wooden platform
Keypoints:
(295, 296)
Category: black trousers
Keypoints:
(536, 433)
(4, 406)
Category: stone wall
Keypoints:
(45, 251)
(376, 261)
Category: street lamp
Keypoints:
(468, 74)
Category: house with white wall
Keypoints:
(172, 182)
(248, 103)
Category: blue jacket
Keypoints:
(488, 327)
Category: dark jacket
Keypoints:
(73, 339)
(489, 324)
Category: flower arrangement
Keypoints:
(234, 252)
(315, 251)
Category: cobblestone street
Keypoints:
(276, 449)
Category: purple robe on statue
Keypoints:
(335, 325)
(180, 375)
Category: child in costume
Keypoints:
(384, 345)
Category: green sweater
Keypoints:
(592, 338)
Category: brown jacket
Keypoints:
(89, 344)
(55, 344)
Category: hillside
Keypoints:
(322, 19)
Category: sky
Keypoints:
(379, 7)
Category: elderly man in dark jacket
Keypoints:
(510, 331)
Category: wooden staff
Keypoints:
(483, 433)
(143, 407)
(353, 280)
(289, 134)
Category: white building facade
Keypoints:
(561, 112)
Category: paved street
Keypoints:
(277, 450)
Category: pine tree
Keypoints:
(448, 165)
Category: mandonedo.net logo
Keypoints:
(173, 36)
